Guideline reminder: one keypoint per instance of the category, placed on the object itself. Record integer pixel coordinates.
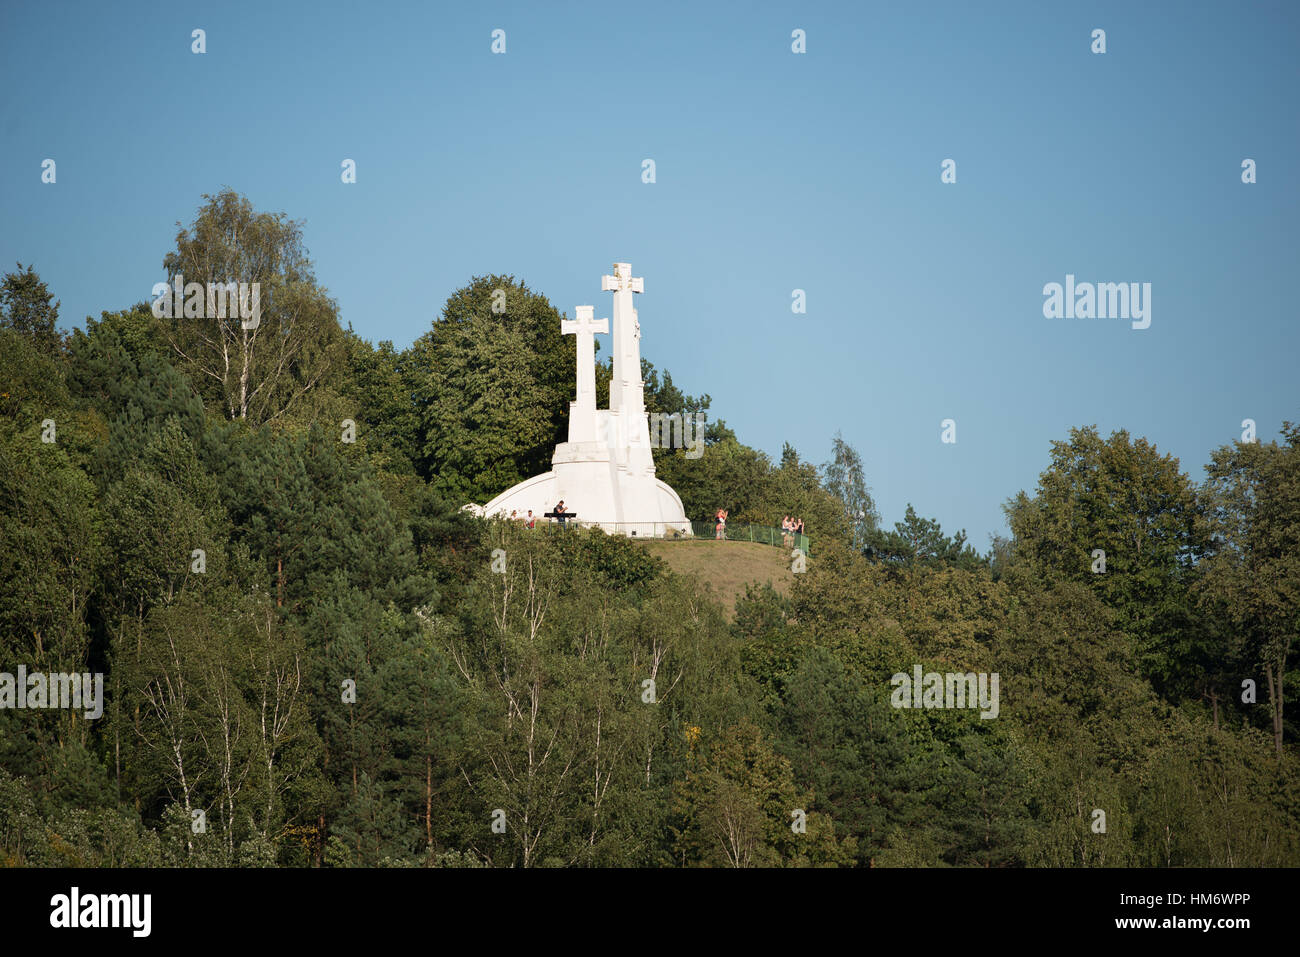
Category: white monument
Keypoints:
(605, 473)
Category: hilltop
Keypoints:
(726, 566)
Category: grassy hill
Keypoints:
(727, 566)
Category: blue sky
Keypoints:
(775, 171)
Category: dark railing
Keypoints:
(764, 534)
(676, 531)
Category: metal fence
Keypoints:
(692, 531)
(764, 534)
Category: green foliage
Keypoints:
(116, 377)
(738, 806)
(846, 480)
(1251, 580)
(917, 540)
(376, 390)
(795, 489)
(28, 308)
(49, 551)
(313, 657)
(1121, 497)
(849, 747)
(491, 389)
(728, 475)
(262, 373)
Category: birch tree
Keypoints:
(253, 370)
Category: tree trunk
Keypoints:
(1275, 703)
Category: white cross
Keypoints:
(583, 324)
(622, 279)
(585, 328)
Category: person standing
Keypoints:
(720, 530)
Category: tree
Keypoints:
(116, 377)
(845, 478)
(27, 307)
(917, 540)
(795, 489)
(51, 556)
(1252, 576)
(482, 425)
(257, 373)
(663, 396)
(728, 475)
(844, 743)
(491, 383)
(376, 385)
(1117, 504)
(307, 511)
(224, 724)
(738, 807)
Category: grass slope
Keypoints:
(727, 566)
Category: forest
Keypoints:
(310, 660)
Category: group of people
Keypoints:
(530, 520)
(790, 527)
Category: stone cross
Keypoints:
(626, 390)
(582, 413)
(627, 353)
(622, 279)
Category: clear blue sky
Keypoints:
(775, 171)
